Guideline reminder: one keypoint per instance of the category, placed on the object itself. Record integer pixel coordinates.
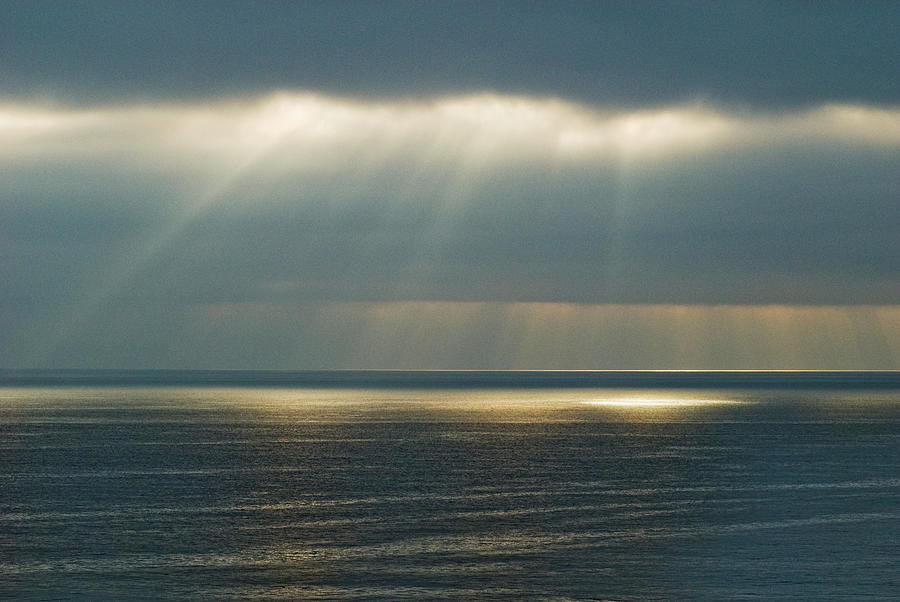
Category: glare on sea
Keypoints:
(667, 401)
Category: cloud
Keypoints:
(296, 199)
(785, 54)
(314, 130)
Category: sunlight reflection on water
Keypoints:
(570, 494)
(660, 402)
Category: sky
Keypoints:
(459, 185)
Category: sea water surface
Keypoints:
(122, 491)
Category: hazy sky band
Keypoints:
(456, 335)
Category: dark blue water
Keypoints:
(242, 493)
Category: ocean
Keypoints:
(462, 485)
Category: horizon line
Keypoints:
(457, 370)
(457, 378)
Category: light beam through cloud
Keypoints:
(296, 197)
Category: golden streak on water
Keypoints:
(656, 402)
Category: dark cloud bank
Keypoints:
(772, 54)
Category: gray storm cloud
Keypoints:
(119, 218)
(610, 52)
